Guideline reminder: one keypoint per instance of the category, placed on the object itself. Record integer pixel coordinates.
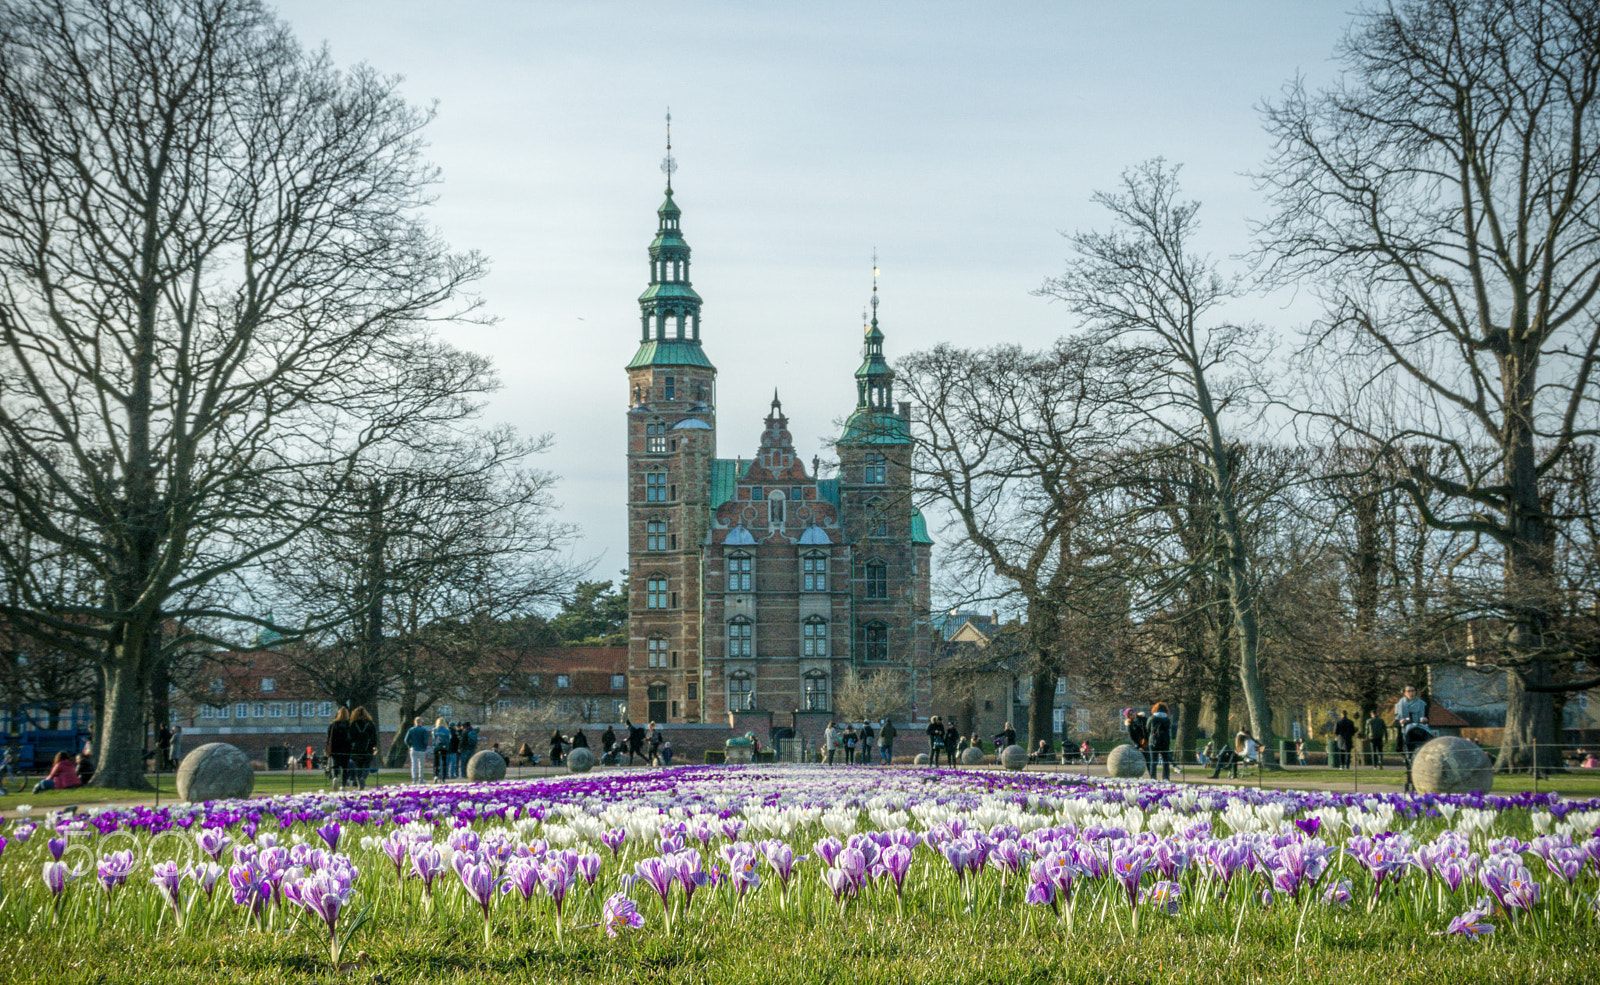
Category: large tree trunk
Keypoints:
(1041, 706)
(122, 735)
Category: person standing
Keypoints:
(419, 742)
(557, 744)
(935, 740)
(830, 739)
(608, 740)
(1139, 736)
(175, 746)
(1408, 711)
(851, 737)
(363, 745)
(868, 742)
(441, 750)
(579, 740)
(1375, 733)
(635, 742)
(655, 739)
(338, 747)
(1344, 740)
(886, 740)
(952, 738)
(1158, 735)
(469, 744)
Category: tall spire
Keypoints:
(669, 309)
(875, 420)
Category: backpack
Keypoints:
(469, 741)
(1160, 732)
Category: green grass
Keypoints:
(947, 948)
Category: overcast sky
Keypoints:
(958, 139)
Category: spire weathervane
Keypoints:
(874, 285)
(668, 165)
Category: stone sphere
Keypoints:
(580, 760)
(1451, 764)
(215, 771)
(1125, 761)
(971, 756)
(1014, 758)
(486, 766)
(921, 759)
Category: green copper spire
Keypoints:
(875, 420)
(669, 309)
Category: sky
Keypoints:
(957, 140)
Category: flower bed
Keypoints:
(651, 853)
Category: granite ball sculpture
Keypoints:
(1452, 764)
(971, 756)
(486, 767)
(580, 760)
(1014, 758)
(1126, 761)
(215, 771)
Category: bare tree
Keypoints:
(1012, 444)
(872, 696)
(1443, 198)
(214, 283)
(1153, 308)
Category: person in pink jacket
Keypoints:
(62, 776)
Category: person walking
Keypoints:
(469, 744)
(363, 746)
(1374, 734)
(654, 740)
(868, 741)
(886, 740)
(830, 742)
(557, 744)
(608, 740)
(419, 742)
(952, 738)
(338, 747)
(851, 737)
(163, 746)
(635, 742)
(935, 740)
(1344, 741)
(1159, 737)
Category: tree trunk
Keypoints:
(1041, 706)
(122, 742)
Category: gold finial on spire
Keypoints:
(874, 285)
(668, 165)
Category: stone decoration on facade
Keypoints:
(1126, 761)
(1014, 758)
(215, 771)
(1452, 764)
(580, 760)
(486, 766)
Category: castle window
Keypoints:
(878, 525)
(655, 594)
(655, 487)
(657, 709)
(872, 640)
(655, 437)
(741, 692)
(655, 535)
(876, 472)
(796, 493)
(757, 493)
(669, 385)
(816, 691)
(775, 509)
(814, 573)
(814, 637)
(875, 575)
(739, 577)
(657, 649)
(241, 710)
(740, 634)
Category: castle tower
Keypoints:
(890, 547)
(672, 441)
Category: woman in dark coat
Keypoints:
(556, 745)
(339, 746)
(952, 738)
(363, 745)
(935, 740)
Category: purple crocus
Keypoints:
(522, 875)
(619, 914)
(56, 875)
(613, 840)
(330, 834)
(250, 888)
(477, 878)
(324, 893)
(896, 862)
(657, 873)
(168, 880)
(204, 875)
(1509, 882)
(212, 841)
(114, 869)
(427, 862)
(828, 849)
(1472, 924)
(1128, 865)
(1163, 895)
(56, 846)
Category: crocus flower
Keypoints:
(477, 878)
(1337, 894)
(1129, 867)
(250, 888)
(619, 914)
(114, 869)
(657, 873)
(896, 862)
(56, 847)
(613, 840)
(1472, 924)
(1509, 882)
(330, 834)
(522, 875)
(168, 880)
(1163, 895)
(426, 863)
(56, 875)
(212, 841)
(324, 893)
(205, 875)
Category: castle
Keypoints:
(753, 584)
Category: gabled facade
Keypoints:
(753, 583)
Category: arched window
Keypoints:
(741, 692)
(872, 641)
(655, 533)
(814, 572)
(816, 691)
(741, 632)
(656, 594)
(814, 637)
(657, 647)
(875, 579)
(655, 487)
(739, 579)
(775, 508)
(655, 437)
